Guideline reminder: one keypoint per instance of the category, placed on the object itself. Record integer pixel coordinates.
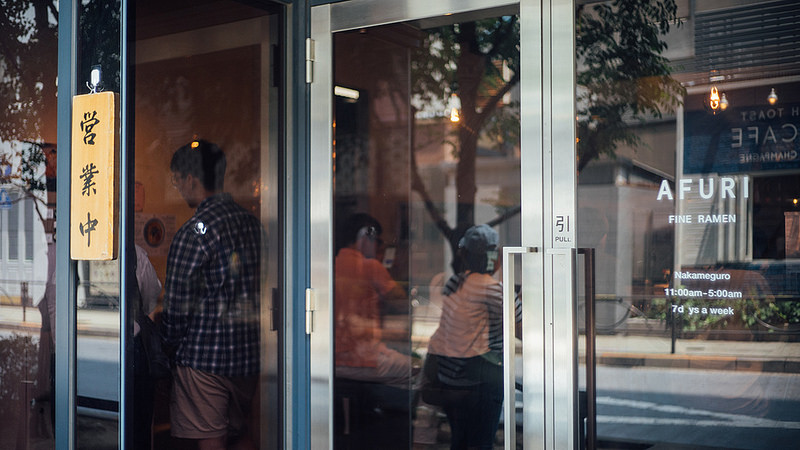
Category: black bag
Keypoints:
(157, 360)
(431, 388)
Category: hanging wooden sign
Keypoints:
(94, 210)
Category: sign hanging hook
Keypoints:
(96, 80)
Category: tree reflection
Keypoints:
(622, 78)
(28, 132)
(28, 70)
(478, 63)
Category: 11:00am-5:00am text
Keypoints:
(711, 293)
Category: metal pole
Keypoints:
(591, 333)
(66, 271)
(23, 299)
(126, 250)
(673, 331)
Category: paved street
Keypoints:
(699, 407)
(729, 394)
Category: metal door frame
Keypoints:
(548, 164)
(65, 333)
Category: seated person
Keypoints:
(361, 288)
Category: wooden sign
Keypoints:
(95, 177)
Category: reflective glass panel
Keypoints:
(687, 191)
(98, 292)
(426, 147)
(27, 212)
(207, 155)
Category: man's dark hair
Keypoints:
(475, 262)
(202, 160)
(357, 223)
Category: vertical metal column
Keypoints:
(559, 216)
(66, 270)
(296, 226)
(127, 270)
(321, 236)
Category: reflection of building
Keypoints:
(732, 172)
(23, 242)
(618, 217)
(750, 143)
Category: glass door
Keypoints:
(208, 149)
(428, 167)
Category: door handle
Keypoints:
(509, 351)
(590, 333)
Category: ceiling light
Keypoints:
(713, 99)
(772, 98)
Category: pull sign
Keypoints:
(94, 170)
(563, 230)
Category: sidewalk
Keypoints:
(644, 351)
(100, 323)
(611, 350)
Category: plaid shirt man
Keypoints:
(211, 312)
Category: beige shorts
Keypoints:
(204, 405)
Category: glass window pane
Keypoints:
(426, 146)
(687, 192)
(98, 291)
(206, 96)
(27, 254)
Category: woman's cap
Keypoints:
(479, 239)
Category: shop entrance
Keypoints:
(428, 191)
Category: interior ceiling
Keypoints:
(744, 43)
(160, 17)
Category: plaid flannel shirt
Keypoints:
(211, 302)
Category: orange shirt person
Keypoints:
(361, 285)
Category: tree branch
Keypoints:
(500, 36)
(418, 186)
(491, 105)
(511, 212)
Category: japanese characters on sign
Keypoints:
(95, 172)
(562, 229)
